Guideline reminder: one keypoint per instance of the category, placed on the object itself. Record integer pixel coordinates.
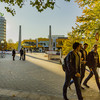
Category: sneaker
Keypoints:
(86, 85)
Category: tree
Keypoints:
(90, 25)
(4, 45)
(90, 20)
(91, 17)
(10, 41)
(40, 5)
(73, 36)
(11, 45)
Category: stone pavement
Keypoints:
(37, 79)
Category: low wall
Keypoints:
(53, 57)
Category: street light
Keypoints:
(2, 42)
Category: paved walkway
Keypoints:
(37, 79)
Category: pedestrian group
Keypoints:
(75, 66)
(22, 54)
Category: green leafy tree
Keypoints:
(90, 21)
(11, 45)
(88, 27)
(91, 17)
(40, 5)
(73, 36)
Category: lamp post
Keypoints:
(2, 42)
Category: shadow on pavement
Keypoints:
(26, 76)
(57, 61)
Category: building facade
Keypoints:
(2, 33)
(55, 42)
(2, 29)
(29, 44)
(42, 44)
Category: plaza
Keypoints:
(37, 78)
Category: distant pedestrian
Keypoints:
(13, 54)
(93, 63)
(73, 71)
(21, 53)
(24, 53)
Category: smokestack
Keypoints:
(19, 42)
(50, 39)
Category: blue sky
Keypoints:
(35, 24)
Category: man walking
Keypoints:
(93, 63)
(84, 60)
(24, 54)
(72, 71)
(21, 53)
(13, 54)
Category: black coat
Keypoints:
(91, 62)
(82, 56)
(13, 53)
(71, 64)
(21, 52)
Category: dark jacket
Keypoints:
(82, 56)
(71, 64)
(21, 52)
(13, 53)
(93, 59)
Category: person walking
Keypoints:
(80, 55)
(24, 54)
(83, 62)
(21, 53)
(72, 71)
(93, 63)
(13, 54)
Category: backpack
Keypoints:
(64, 63)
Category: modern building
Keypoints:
(55, 41)
(42, 44)
(29, 44)
(2, 29)
(59, 42)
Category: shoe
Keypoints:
(82, 88)
(86, 85)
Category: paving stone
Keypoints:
(23, 94)
(37, 79)
(4, 92)
(34, 96)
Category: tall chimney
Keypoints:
(50, 39)
(19, 42)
